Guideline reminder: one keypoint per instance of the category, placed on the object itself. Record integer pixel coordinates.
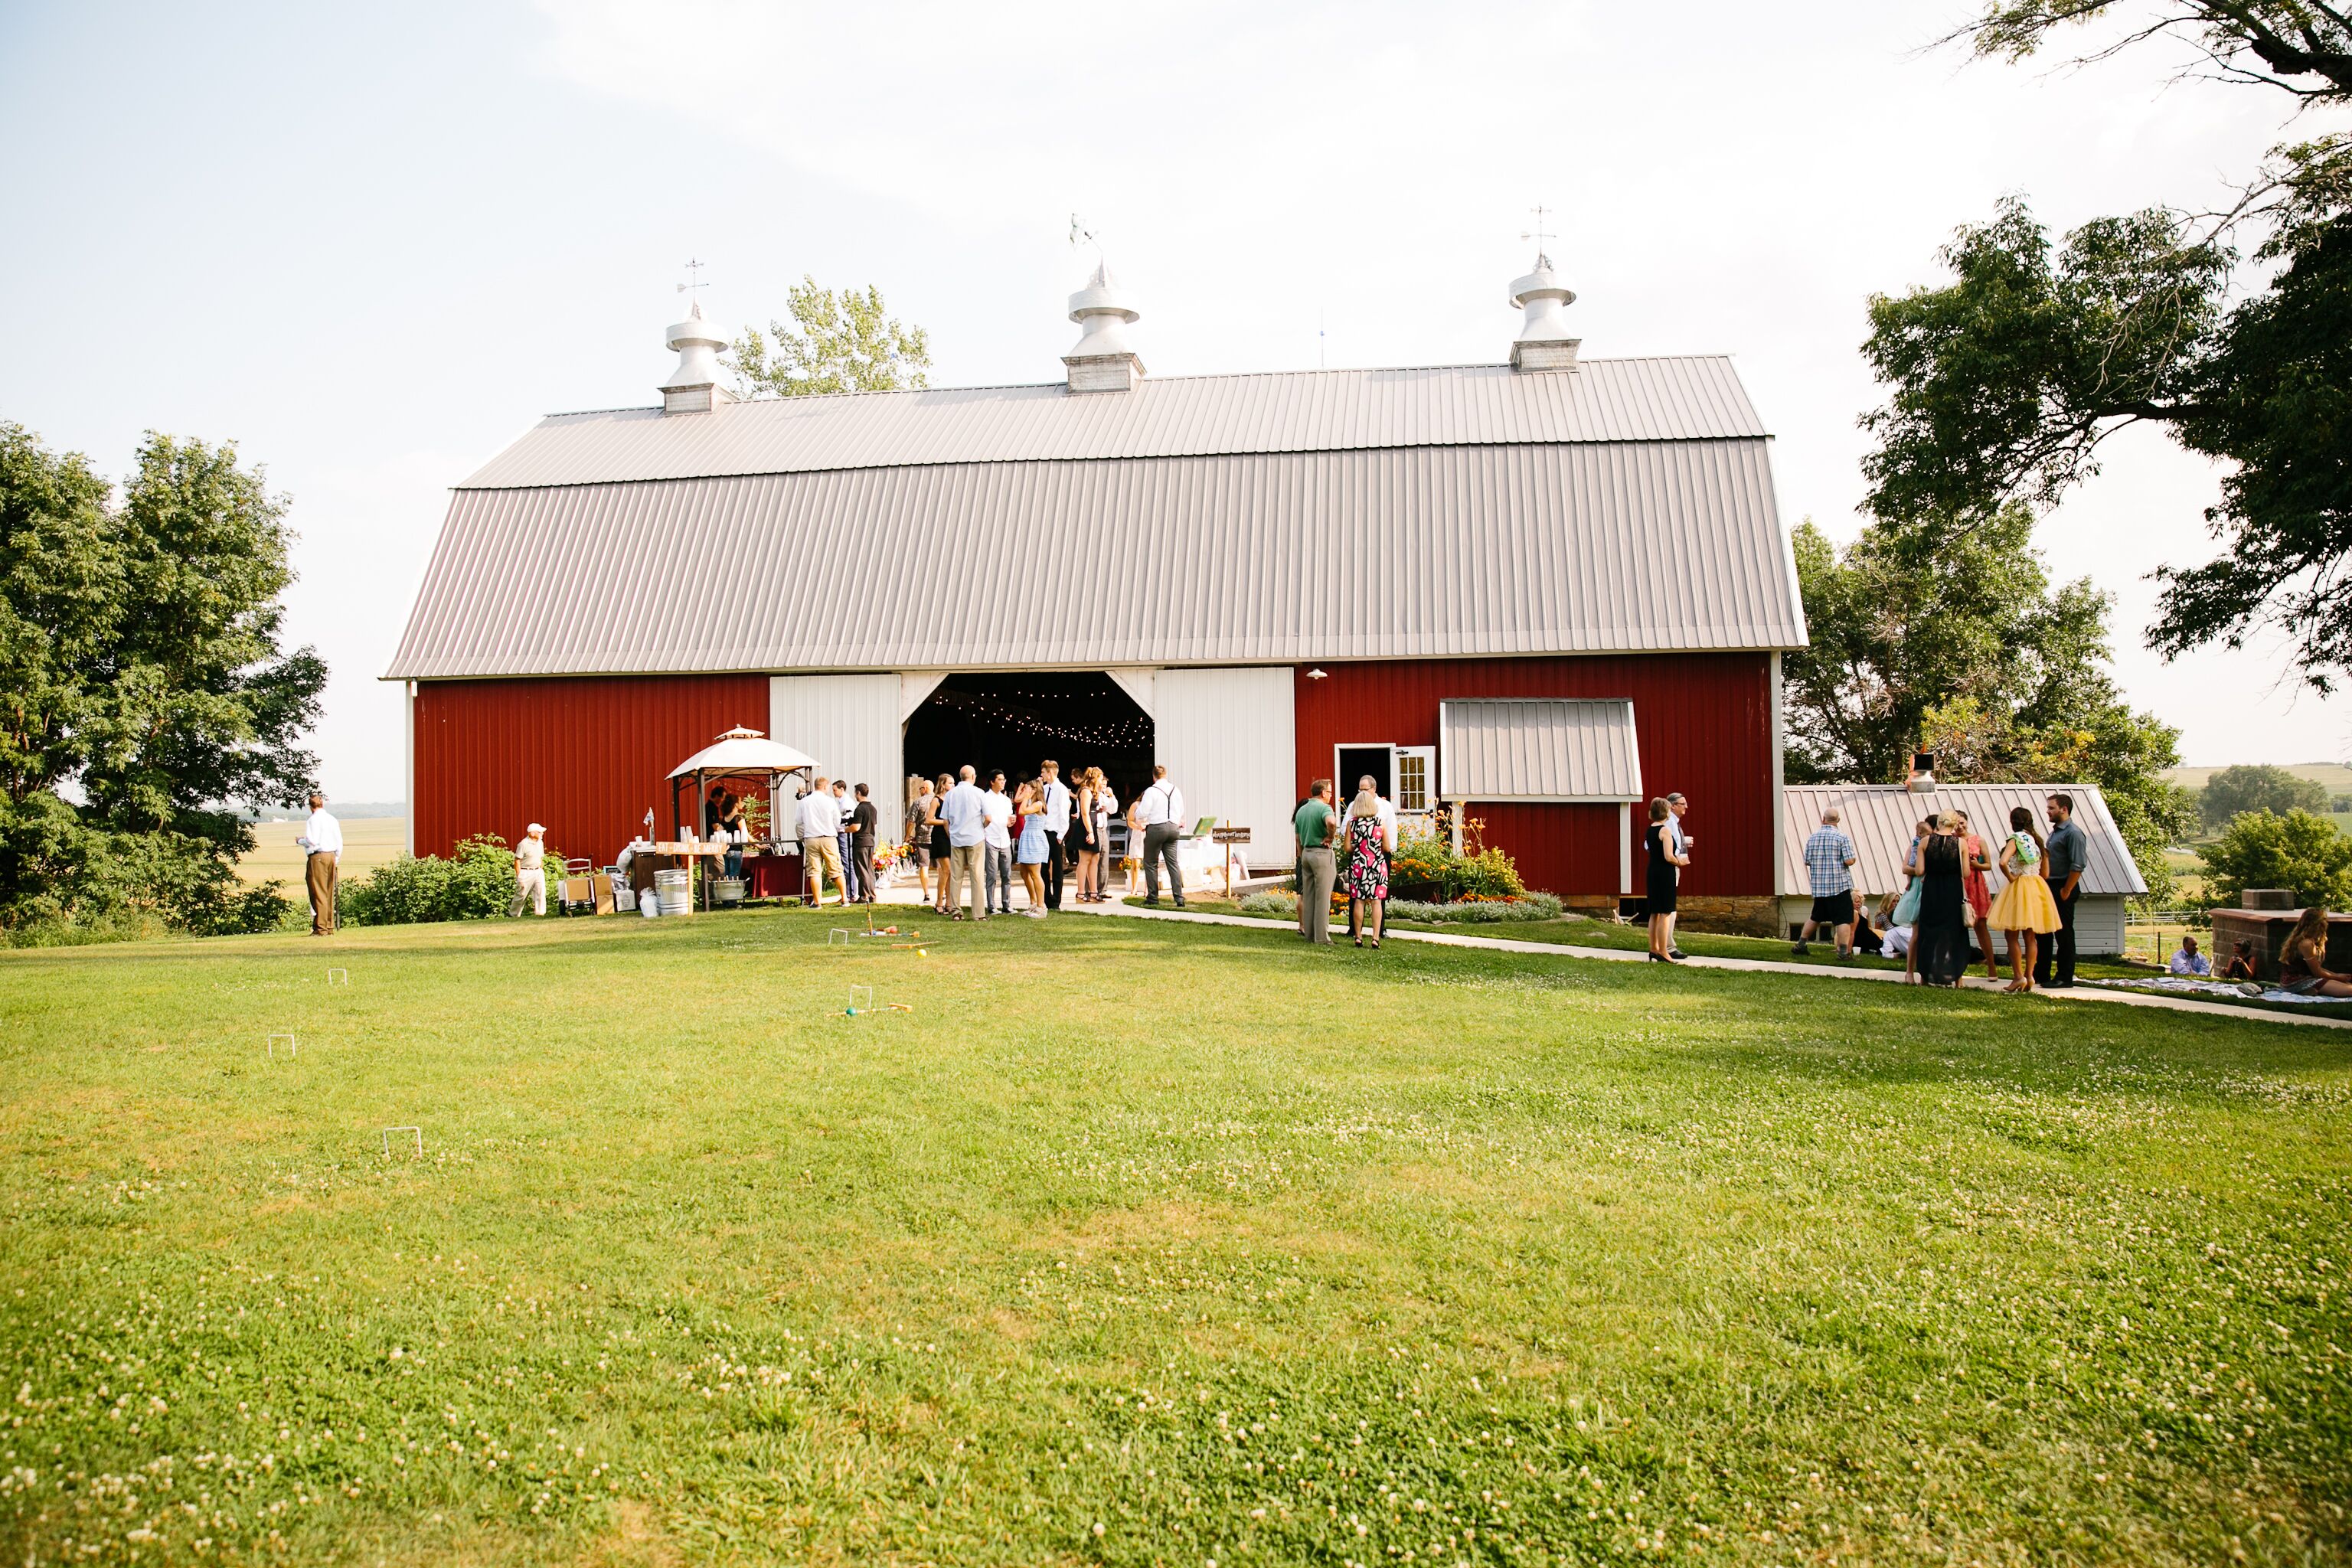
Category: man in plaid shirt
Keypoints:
(1829, 861)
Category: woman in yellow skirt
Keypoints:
(2025, 908)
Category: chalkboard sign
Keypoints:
(1229, 835)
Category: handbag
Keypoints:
(1907, 908)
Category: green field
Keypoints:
(1145, 1244)
(368, 842)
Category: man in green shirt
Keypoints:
(1316, 873)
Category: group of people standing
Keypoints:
(836, 833)
(977, 838)
(1948, 890)
(1347, 852)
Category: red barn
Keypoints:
(1546, 589)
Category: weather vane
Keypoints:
(1540, 235)
(1081, 235)
(694, 271)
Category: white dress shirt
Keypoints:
(998, 833)
(818, 816)
(1163, 802)
(1057, 808)
(322, 835)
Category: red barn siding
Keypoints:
(1570, 849)
(1704, 721)
(584, 755)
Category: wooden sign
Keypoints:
(1229, 835)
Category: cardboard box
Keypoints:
(602, 884)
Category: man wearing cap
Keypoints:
(531, 872)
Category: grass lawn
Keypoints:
(1136, 1243)
(368, 842)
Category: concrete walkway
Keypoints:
(1750, 966)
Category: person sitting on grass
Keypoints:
(2241, 962)
(1868, 927)
(2303, 966)
(2189, 960)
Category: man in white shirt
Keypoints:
(996, 845)
(1161, 813)
(2189, 960)
(965, 811)
(530, 873)
(819, 821)
(322, 840)
(1057, 823)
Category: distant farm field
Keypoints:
(368, 842)
(1144, 1245)
(2336, 776)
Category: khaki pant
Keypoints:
(319, 876)
(820, 857)
(530, 888)
(964, 870)
(1317, 871)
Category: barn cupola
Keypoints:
(693, 387)
(1102, 360)
(1544, 341)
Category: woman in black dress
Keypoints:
(940, 851)
(1941, 941)
(1659, 893)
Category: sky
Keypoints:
(373, 246)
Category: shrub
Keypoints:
(1478, 911)
(475, 883)
(1469, 912)
(2298, 850)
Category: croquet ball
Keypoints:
(922, 952)
(851, 1011)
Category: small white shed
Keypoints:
(1882, 819)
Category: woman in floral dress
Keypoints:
(1366, 876)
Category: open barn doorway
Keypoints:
(1081, 719)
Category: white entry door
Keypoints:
(1414, 769)
(1228, 737)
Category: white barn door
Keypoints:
(851, 725)
(1228, 737)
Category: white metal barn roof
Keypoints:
(1626, 506)
(1502, 749)
(1880, 818)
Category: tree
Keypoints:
(1901, 623)
(2266, 788)
(143, 690)
(1960, 645)
(846, 342)
(2266, 850)
(2004, 382)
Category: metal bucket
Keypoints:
(675, 891)
(730, 890)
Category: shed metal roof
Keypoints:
(1666, 399)
(1411, 552)
(1880, 819)
(1552, 748)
